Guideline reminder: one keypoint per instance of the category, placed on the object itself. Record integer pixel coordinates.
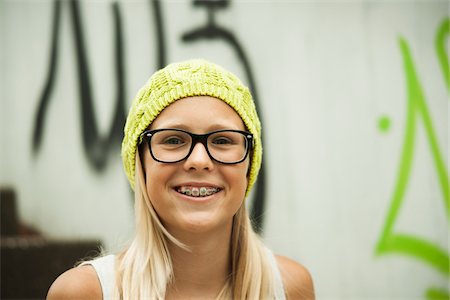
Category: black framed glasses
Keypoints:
(174, 145)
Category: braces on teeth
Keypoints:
(196, 192)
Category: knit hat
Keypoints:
(196, 77)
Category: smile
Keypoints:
(197, 191)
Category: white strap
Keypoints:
(278, 288)
(104, 266)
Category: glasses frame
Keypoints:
(197, 138)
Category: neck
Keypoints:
(204, 269)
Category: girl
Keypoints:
(192, 151)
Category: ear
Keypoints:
(140, 154)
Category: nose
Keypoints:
(199, 159)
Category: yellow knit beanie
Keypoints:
(196, 77)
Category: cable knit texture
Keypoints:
(196, 77)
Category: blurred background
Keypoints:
(354, 100)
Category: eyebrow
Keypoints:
(213, 127)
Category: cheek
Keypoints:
(156, 178)
(238, 179)
(156, 185)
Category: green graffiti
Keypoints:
(437, 294)
(384, 123)
(417, 110)
(441, 36)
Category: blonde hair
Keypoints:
(144, 269)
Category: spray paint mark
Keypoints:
(96, 145)
(384, 124)
(417, 111)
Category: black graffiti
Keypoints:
(159, 26)
(46, 94)
(95, 145)
(212, 31)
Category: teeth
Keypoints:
(198, 192)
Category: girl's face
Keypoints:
(226, 184)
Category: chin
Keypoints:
(201, 223)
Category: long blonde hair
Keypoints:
(144, 269)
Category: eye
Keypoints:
(173, 140)
(221, 140)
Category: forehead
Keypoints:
(199, 114)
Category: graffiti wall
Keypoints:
(354, 100)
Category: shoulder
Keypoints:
(297, 280)
(77, 283)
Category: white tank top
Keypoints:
(104, 266)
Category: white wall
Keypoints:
(326, 72)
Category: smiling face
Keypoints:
(173, 188)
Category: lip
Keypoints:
(198, 199)
(197, 184)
